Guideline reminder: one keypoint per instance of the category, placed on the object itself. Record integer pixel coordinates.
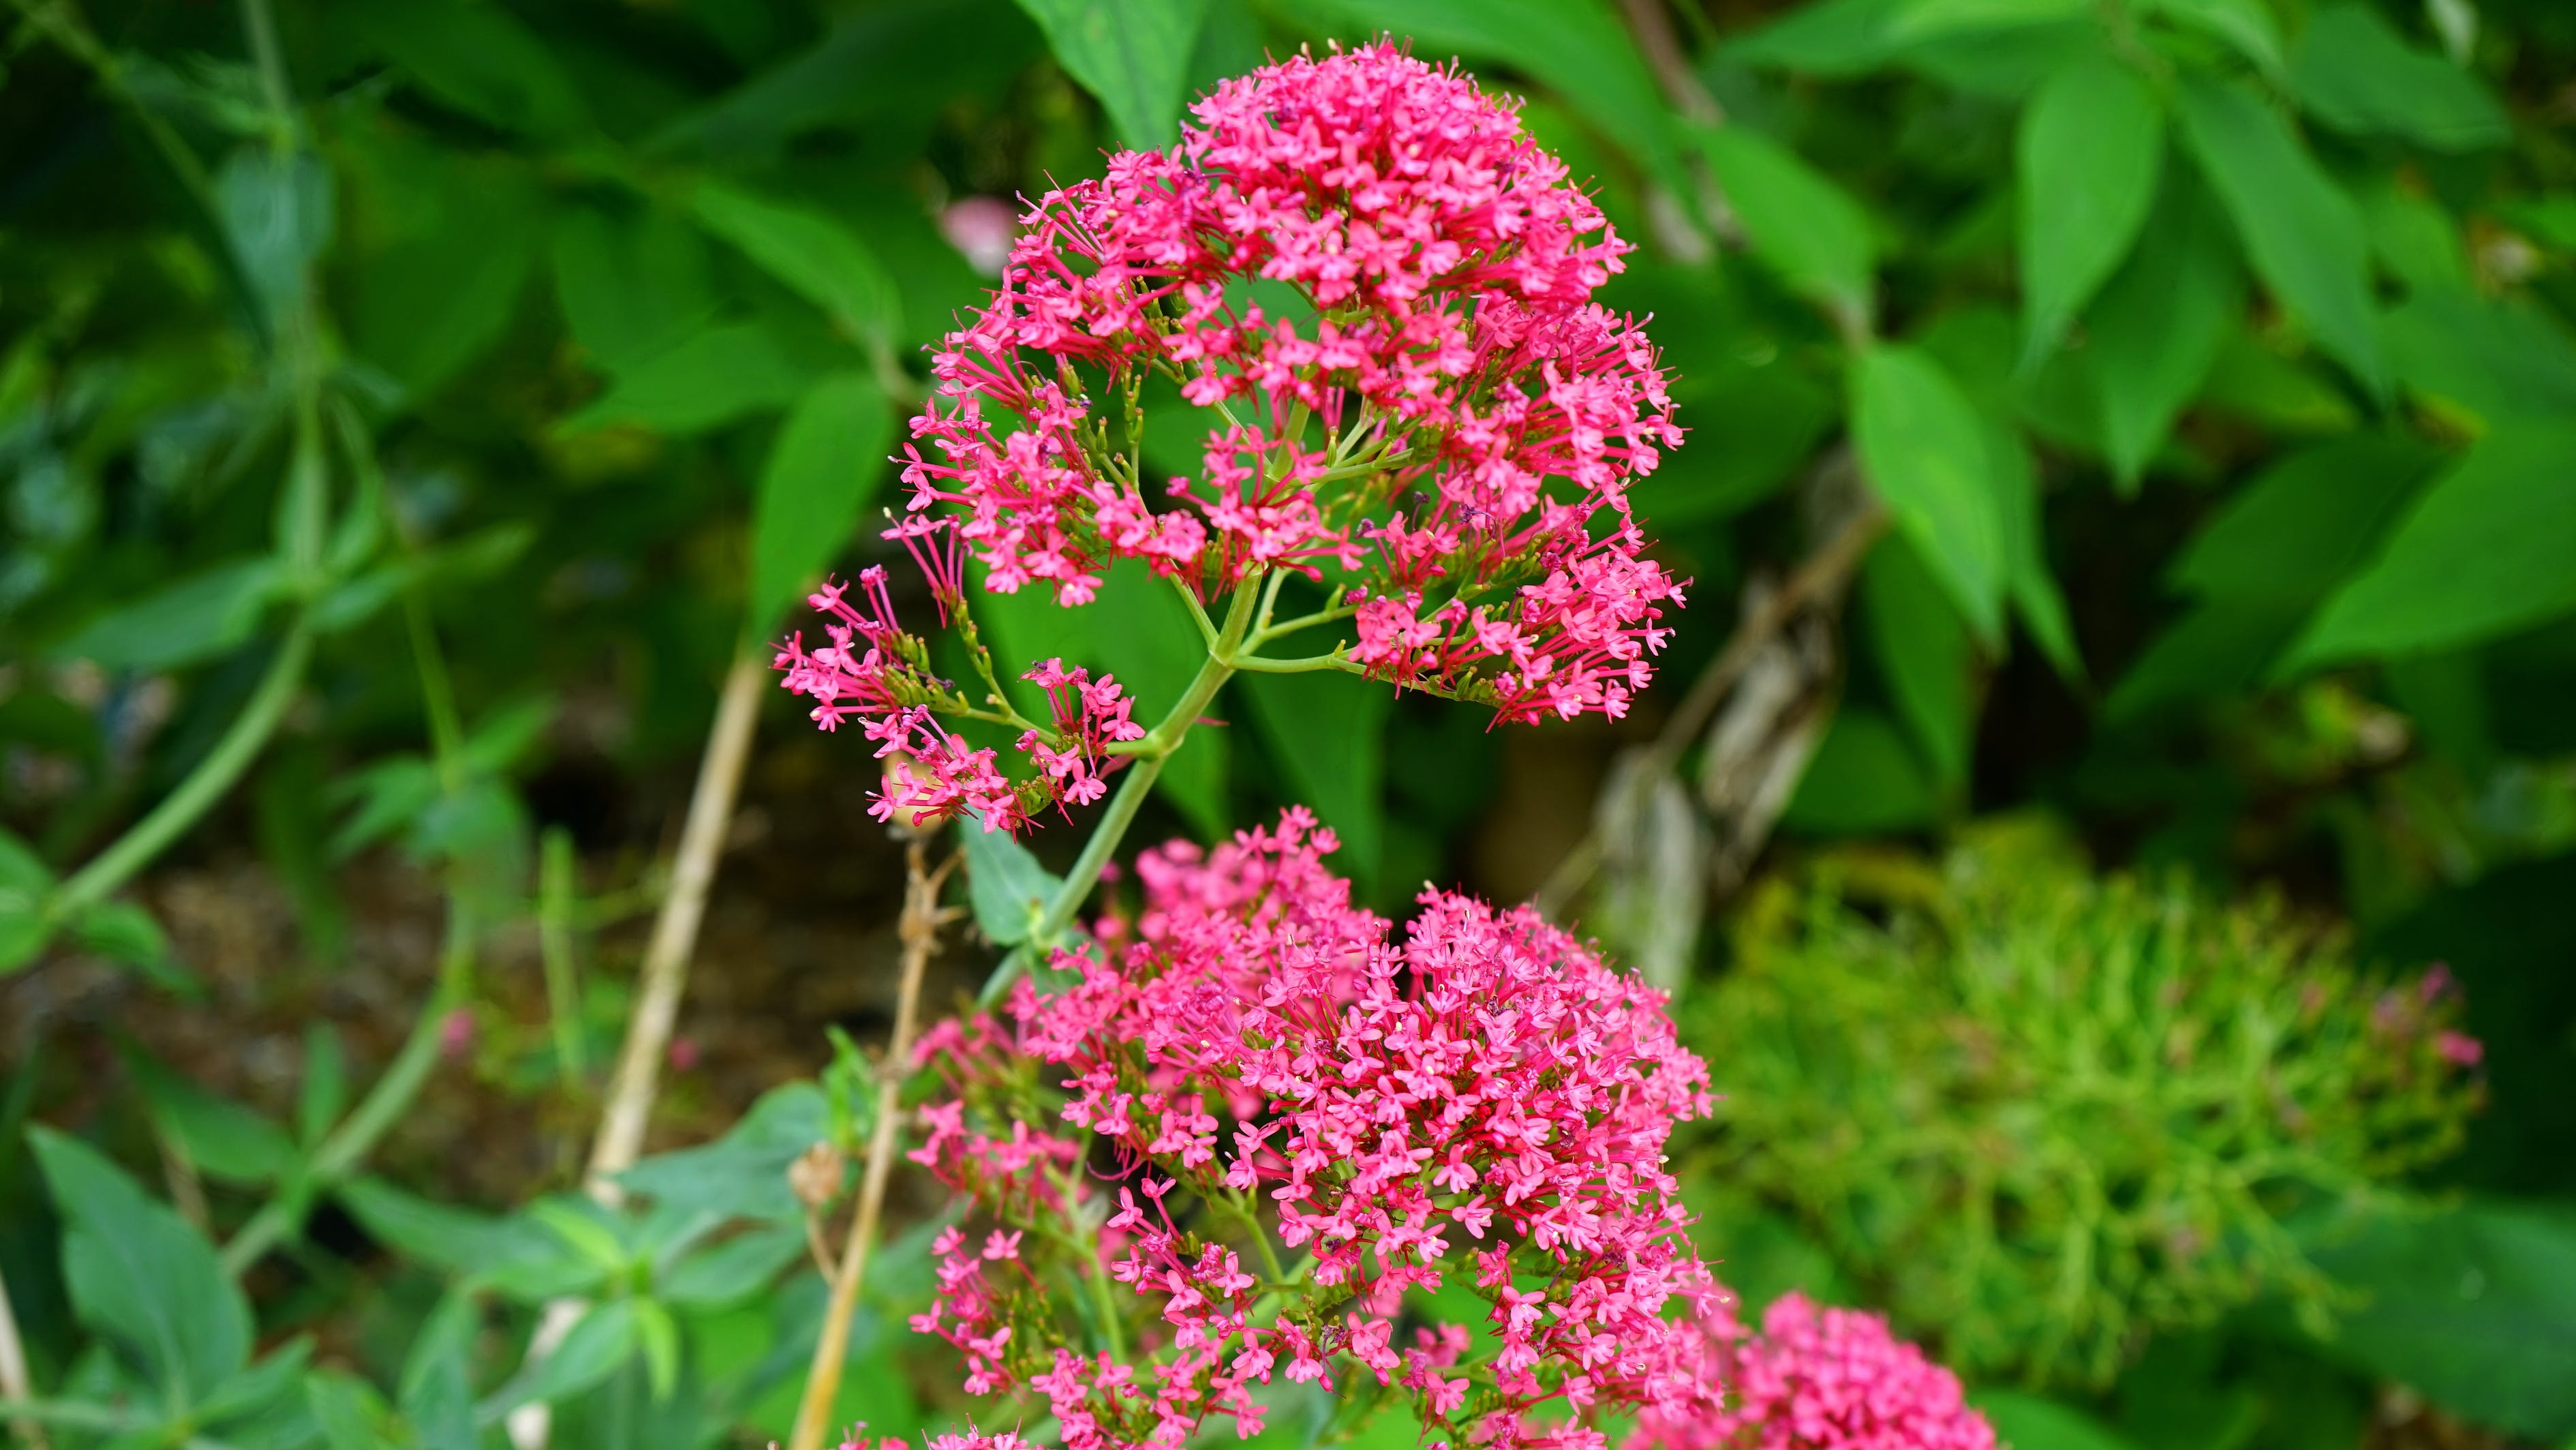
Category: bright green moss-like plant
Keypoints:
(2041, 1113)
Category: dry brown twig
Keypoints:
(922, 918)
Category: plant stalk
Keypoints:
(921, 919)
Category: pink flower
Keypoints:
(1315, 1116)
(1830, 1379)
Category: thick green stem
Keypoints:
(205, 785)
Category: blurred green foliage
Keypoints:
(407, 405)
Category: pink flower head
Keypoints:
(1383, 284)
(1314, 1117)
(1822, 1379)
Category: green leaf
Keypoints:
(710, 380)
(2217, 649)
(2304, 235)
(1829, 38)
(1918, 20)
(659, 1336)
(1008, 887)
(1923, 448)
(1132, 54)
(744, 1173)
(139, 1274)
(459, 1240)
(126, 934)
(436, 1391)
(2033, 586)
(2485, 361)
(206, 614)
(1800, 223)
(432, 301)
(1578, 48)
(220, 1136)
(2027, 1422)
(2485, 550)
(829, 460)
(325, 1089)
(2247, 26)
(2358, 75)
(24, 885)
(588, 1229)
(604, 1339)
(351, 1414)
(2252, 381)
(2301, 525)
(1925, 654)
(260, 1396)
(2416, 239)
(1327, 731)
(1862, 780)
(2474, 1306)
(631, 283)
(476, 57)
(2159, 324)
(1143, 635)
(812, 253)
(2091, 144)
(277, 212)
(734, 1270)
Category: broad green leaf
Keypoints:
(458, 1240)
(744, 1173)
(1327, 731)
(1862, 780)
(2304, 235)
(277, 214)
(2491, 361)
(24, 885)
(709, 380)
(892, 64)
(2250, 379)
(1801, 224)
(2483, 551)
(262, 1399)
(436, 1390)
(631, 283)
(1132, 54)
(658, 1335)
(2416, 239)
(1923, 448)
(1918, 20)
(2358, 75)
(220, 1136)
(828, 461)
(734, 1270)
(2474, 1306)
(352, 1416)
(2091, 144)
(2248, 26)
(2027, 1422)
(593, 1350)
(433, 300)
(1827, 38)
(2159, 324)
(197, 618)
(2033, 585)
(1007, 886)
(1924, 653)
(139, 1274)
(815, 254)
(476, 57)
(2301, 525)
(590, 1230)
(1579, 48)
(125, 933)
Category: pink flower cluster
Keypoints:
(1822, 1379)
(1377, 286)
(873, 672)
(1315, 1126)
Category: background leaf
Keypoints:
(1924, 451)
(815, 254)
(2159, 324)
(2356, 74)
(1327, 730)
(2304, 235)
(828, 462)
(1800, 223)
(1132, 54)
(2091, 144)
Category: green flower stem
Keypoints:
(206, 784)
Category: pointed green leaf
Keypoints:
(2027, 1422)
(1925, 654)
(2247, 26)
(2214, 650)
(436, 1391)
(2296, 529)
(2304, 235)
(2485, 550)
(2159, 324)
(24, 884)
(1923, 448)
(476, 57)
(2035, 595)
(140, 1275)
(2091, 144)
(713, 378)
(1801, 224)
(1327, 730)
(828, 461)
(1131, 54)
(815, 254)
(1862, 779)
(2357, 74)
(220, 1136)
(197, 618)
(1008, 887)
(2481, 360)
(1913, 21)
(600, 1342)
(351, 1414)
(325, 1089)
